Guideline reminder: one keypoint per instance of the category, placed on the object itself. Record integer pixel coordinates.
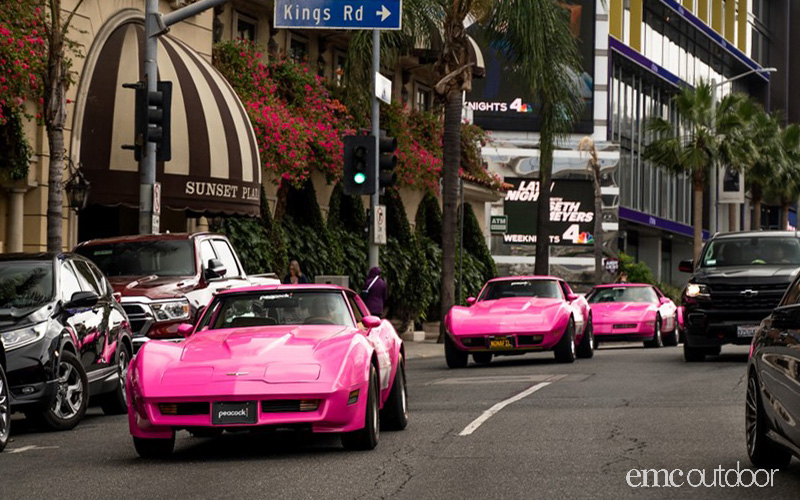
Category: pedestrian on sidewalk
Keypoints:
(374, 292)
(295, 276)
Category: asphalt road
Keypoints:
(576, 435)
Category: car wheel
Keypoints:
(5, 410)
(394, 415)
(657, 340)
(565, 349)
(69, 405)
(452, 355)
(116, 402)
(366, 438)
(693, 354)
(206, 432)
(154, 448)
(762, 451)
(672, 339)
(482, 358)
(586, 347)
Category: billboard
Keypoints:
(571, 211)
(499, 101)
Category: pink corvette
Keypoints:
(519, 314)
(633, 312)
(301, 356)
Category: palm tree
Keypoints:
(784, 185)
(710, 135)
(765, 130)
(536, 38)
(587, 144)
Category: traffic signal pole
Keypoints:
(374, 249)
(156, 25)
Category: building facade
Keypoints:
(215, 167)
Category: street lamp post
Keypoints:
(714, 191)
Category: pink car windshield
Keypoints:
(521, 288)
(278, 307)
(623, 294)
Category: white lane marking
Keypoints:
(472, 427)
(29, 448)
(499, 379)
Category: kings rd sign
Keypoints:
(339, 14)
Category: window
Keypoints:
(424, 98)
(69, 282)
(298, 48)
(86, 278)
(206, 252)
(338, 68)
(357, 313)
(225, 254)
(246, 27)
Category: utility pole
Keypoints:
(156, 25)
(374, 249)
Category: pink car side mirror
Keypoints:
(664, 300)
(371, 321)
(471, 300)
(185, 329)
(571, 297)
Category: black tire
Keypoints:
(116, 402)
(206, 432)
(762, 451)
(394, 415)
(673, 338)
(565, 349)
(585, 349)
(367, 437)
(482, 358)
(658, 340)
(454, 357)
(693, 354)
(72, 396)
(154, 448)
(5, 409)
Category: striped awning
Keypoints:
(215, 167)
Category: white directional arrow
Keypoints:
(384, 13)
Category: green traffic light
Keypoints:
(359, 178)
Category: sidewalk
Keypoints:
(423, 349)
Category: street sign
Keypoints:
(383, 88)
(379, 229)
(498, 223)
(339, 14)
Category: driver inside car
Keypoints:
(323, 311)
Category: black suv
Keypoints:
(65, 338)
(739, 280)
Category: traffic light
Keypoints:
(359, 165)
(153, 118)
(387, 161)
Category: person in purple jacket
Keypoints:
(374, 292)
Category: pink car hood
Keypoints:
(509, 315)
(603, 312)
(271, 355)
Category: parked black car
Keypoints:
(773, 385)
(739, 280)
(66, 338)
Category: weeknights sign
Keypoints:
(571, 211)
(500, 101)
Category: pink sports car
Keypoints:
(633, 312)
(300, 356)
(519, 314)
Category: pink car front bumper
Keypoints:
(517, 342)
(623, 330)
(336, 411)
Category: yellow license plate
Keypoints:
(500, 343)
